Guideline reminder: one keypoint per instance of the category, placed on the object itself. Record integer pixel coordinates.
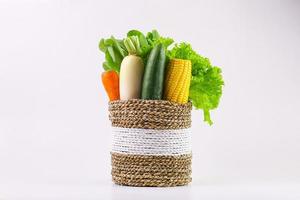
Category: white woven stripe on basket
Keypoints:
(151, 142)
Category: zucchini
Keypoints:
(153, 80)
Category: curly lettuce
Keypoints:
(206, 83)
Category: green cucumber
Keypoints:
(154, 75)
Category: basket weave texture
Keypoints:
(150, 114)
(135, 168)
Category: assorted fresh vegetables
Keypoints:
(149, 69)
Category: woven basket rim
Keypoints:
(150, 114)
(162, 101)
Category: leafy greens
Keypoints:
(115, 49)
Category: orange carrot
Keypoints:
(110, 81)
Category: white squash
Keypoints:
(131, 75)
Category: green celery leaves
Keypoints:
(135, 43)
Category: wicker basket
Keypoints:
(151, 143)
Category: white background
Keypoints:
(54, 128)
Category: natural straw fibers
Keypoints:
(141, 170)
(151, 143)
(150, 114)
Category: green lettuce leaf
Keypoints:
(149, 41)
(114, 51)
(154, 38)
(206, 83)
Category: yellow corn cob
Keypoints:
(178, 78)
